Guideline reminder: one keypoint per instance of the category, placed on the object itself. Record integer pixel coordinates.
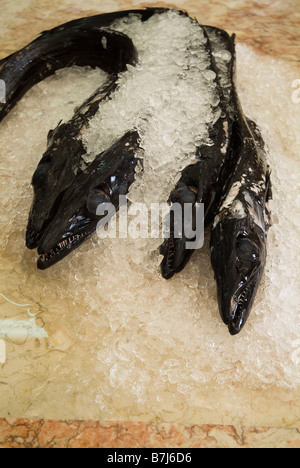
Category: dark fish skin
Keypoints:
(200, 182)
(105, 20)
(80, 46)
(239, 233)
(61, 164)
(238, 239)
(78, 42)
(83, 42)
(75, 219)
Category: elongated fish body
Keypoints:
(82, 42)
(93, 47)
(239, 233)
(236, 179)
(200, 182)
(105, 20)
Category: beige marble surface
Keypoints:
(272, 28)
(27, 433)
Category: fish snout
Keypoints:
(33, 234)
(238, 257)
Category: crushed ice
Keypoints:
(170, 98)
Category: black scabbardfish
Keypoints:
(200, 182)
(239, 233)
(75, 218)
(61, 164)
(231, 176)
(93, 47)
(232, 179)
(83, 42)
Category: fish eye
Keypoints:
(185, 195)
(41, 175)
(97, 196)
(245, 247)
(246, 254)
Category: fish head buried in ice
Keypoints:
(73, 215)
(238, 259)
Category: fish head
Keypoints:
(56, 172)
(75, 221)
(65, 220)
(238, 256)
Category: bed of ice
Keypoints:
(160, 99)
(122, 342)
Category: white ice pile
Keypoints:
(170, 98)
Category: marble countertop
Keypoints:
(26, 433)
(271, 27)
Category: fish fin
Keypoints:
(269, 192)
(269, 196)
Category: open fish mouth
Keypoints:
(240, 306)
(60, 250)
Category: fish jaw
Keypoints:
(49, 256)
(76, 218)
(61, 164)
(238, 256)
(174, 251)
(70, 227)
